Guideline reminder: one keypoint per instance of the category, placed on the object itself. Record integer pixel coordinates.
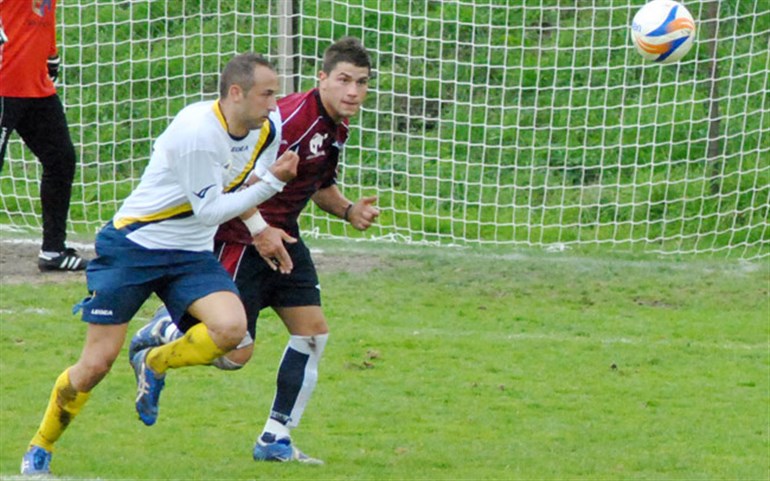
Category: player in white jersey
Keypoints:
(196, 154)
(201, 174)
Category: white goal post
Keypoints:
(490, 122)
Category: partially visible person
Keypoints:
(201, 173)
(29, 66)
(274, 268)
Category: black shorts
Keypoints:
(261, 287)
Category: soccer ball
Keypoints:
(663, 31)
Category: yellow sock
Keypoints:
(194, 348)
(63, 405)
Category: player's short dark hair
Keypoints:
(346, 49)
(240, 71)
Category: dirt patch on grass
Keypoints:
(18, 263)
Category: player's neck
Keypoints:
(234, 128)
(330, 112)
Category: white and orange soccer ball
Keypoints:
(663, 31)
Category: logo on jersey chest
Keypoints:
(315, 145)
(40, 7)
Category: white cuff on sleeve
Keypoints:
(273, 181)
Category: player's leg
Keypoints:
(107, 315)
(297, 300)
(11, 110)
(71, 391)
(223, 319)
(163, 329)
(222, 327)
(72, 387)
(295, 383)
(197, 284)
(160, 330)
(44, 130)
(255, 281)
(249, 273)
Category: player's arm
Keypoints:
(54, 62)
(270, 246)
(268, 240)
(199, 174)
(360, 214)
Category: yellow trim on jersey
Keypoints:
(264, 136)
(220, 116)
(157, 217)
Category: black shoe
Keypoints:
(69, 260)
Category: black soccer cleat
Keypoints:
(68, 260)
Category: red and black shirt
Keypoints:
(318, 140)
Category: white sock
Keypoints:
(293, 391)
(314, 347)
(171, 333)
(279, 430)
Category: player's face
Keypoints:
(259, 101)
(343, 90)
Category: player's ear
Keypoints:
(322, 76)
(235, 92)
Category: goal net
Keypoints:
(531, 123)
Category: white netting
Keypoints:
(490, 122)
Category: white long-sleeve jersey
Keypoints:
(192, 182)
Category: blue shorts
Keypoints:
(261, 286)
(124, 274)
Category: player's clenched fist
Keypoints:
(285, 167)
(362, 214)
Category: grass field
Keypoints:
(443, 364)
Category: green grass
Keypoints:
(443, 364)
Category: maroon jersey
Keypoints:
(309, 131)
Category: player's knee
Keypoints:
(228, 335)
(317, 327)
(320, 329)
(91, 371)
(60, 167)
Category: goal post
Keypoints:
(489, 122)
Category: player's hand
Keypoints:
(363, 213)
(285, 167)
(53, 67)
(269, 244)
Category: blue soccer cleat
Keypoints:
(36, 461)
(268, 448)
(148, 388)
(151, 334)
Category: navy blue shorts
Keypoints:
(261, 287)
(124, 274)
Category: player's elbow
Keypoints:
(209, 218)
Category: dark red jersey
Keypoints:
(309, 131)
(30, 26)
